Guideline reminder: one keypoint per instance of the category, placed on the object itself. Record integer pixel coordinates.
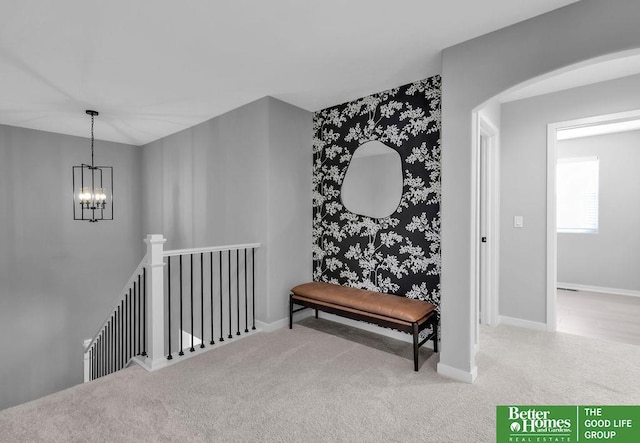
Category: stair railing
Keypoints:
(175, 300)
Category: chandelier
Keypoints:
(92, 188)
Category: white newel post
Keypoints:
(87, 362)
(155, 311)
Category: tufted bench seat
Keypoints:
(391, 311)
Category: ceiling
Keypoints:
(155, 67)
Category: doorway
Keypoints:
(591, 292)
(487, 216)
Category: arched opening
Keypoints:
(577, 93)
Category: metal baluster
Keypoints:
(191, 349)
(104, 353)
(169, 357)
(211, 274)
(133, 322)
(144, 311)
(111, 347)
(100, 356)
(220, 273)
(238, 291)
(201, 300)
(118, 334)
(126, 330)
(253, 282)
(103, 348)
(139, 315)
(229, 272)
(180, 331)
(130, 335)
(122, 333)
(246, 321)
(125, 319)
(108, 347)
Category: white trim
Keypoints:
(552, 238)
(367, 327)
(528, 324)
(492, 229)
(458, 374)
(87, 363)
(599, 289)
(163, 363)
(209, 249)
(283, 322)
(391, 333)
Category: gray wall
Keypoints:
(473, 72)
(523, 185)
(242, 177)
(58, 277)
(610, 258)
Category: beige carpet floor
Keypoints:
(323, 382)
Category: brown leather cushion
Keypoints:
(387, 305)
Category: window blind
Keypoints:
(577, 195)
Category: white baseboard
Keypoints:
(511, 321)
(283, 322)
(369, 328)
(407, 338)
(599, 289)
(458, 374)
(270, 327)
(359, 325)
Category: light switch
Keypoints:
(518, 221)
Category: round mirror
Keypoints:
(372, 185)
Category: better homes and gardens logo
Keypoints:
(537, 423)
(546, 424)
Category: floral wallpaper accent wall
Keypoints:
(399, 254)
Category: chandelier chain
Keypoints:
(92, 117)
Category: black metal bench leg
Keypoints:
(316, 313)
(290, 311)
(435, 336)
(415, 346)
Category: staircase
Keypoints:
(176, 303)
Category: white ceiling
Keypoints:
(155, 67)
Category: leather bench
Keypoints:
(387, 310)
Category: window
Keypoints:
(577, 195)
